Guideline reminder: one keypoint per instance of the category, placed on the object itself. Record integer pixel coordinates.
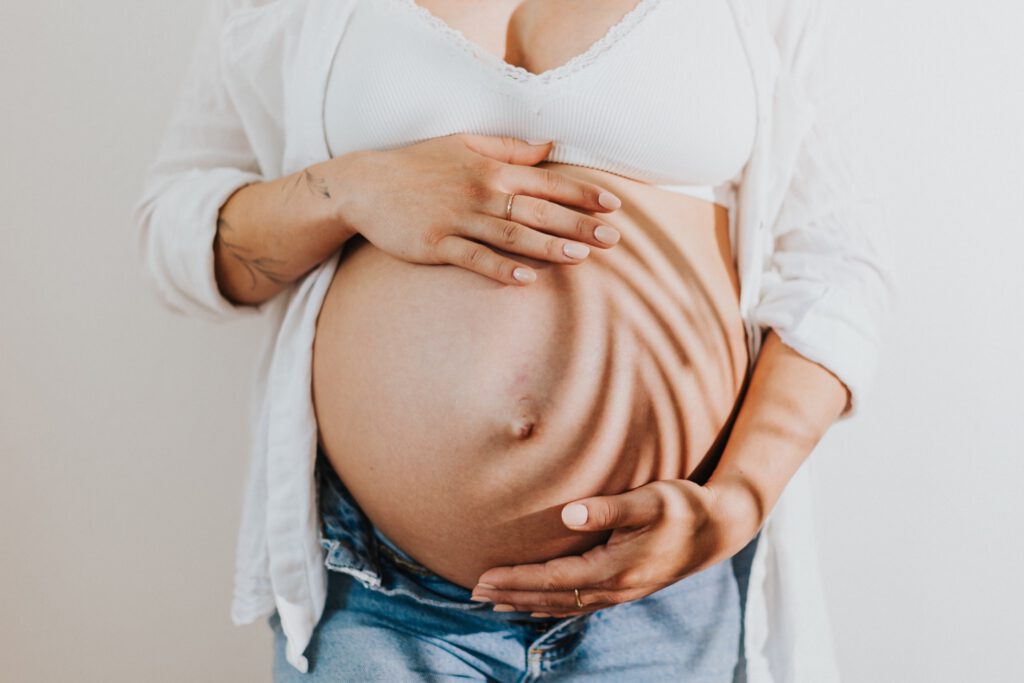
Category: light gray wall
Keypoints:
(921, 517)
(123, 427)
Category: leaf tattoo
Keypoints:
(270, 268)
(316, 185)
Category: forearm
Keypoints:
(789, 405)
(271, 233)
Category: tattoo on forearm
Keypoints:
(316, 185)
(270, 268)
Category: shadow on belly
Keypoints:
(462, 413)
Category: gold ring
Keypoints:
(576, 592)
(508, 207)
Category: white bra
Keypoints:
(665, 96)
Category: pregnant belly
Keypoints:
(462, 414)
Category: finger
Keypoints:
(562, 604)
(558, 614)
(552, 612)
(516, 238)
(555, 186)
(556, 219)
(592, 568)
(479, 259)
(553, 601)
(561, 615)
(506, 148)
(637, 507)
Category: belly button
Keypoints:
(524, 424)
(522, 427)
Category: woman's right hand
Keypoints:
(443, 201)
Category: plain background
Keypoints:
(123, 428)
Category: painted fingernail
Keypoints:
(608, 200)
(575, 250)
(575, 514)
(607, 235)
(524, 275)
(480, 598)
(539, 614)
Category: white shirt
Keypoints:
(811, 250)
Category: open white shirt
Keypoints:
(810, 246)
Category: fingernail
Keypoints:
(524, 275)
(575, 514)
(537, 142)
(504, 608)
(608, 200)
(575, 250)
(607, 235)
(480, 598)
(485, 585)
(539, 614)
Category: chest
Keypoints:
(657, 90)
(536, 36)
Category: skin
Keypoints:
(273, 233)
(446, 199)
(666, 530)
(483, 407)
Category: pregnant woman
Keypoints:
(562, 294)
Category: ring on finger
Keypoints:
(508, 207)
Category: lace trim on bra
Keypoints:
(518, 73)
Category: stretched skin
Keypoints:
(462, 413)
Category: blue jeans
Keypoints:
(390, 619)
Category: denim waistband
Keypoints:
(398, 556)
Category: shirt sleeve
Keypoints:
(827, 287)
(205, 156)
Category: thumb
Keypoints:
(632, 508)
(508, 149)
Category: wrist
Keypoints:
(341, 178)
(739, 509)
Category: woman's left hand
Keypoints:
(661, 532)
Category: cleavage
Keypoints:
(536, 35)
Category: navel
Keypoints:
(524, 424)
(522, 427)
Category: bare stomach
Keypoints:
(462, 414)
